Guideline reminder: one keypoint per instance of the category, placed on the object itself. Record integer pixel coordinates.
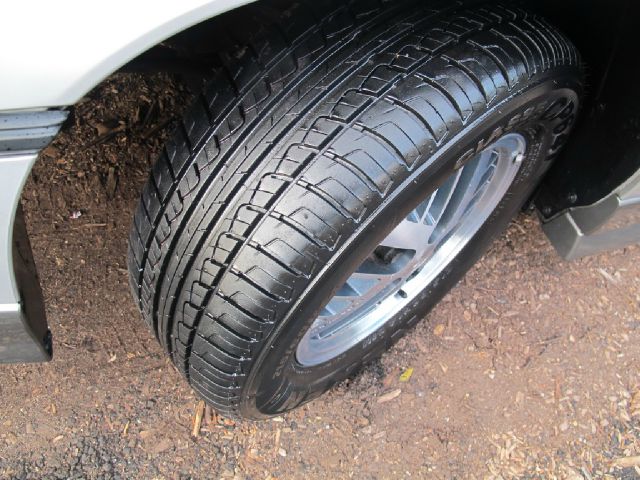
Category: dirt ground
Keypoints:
(528, 369)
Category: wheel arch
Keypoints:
(37, 85)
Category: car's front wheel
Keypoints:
(335, 182)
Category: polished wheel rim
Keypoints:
(415, 252)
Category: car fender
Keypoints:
(84, 42)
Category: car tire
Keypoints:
(317, 138)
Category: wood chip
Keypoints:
(386, 397)
(276, 441)
(197, 420)
(627, 462)
(634, 406)
(390, 379)
(111, 183)
(51, 151)
(608, 276)
(571, 474)
(557, 391)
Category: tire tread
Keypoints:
(285, 131)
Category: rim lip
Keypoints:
(313, 350)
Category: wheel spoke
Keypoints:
(419, 213)
(408, 236)
(467, 191)
(442, 198)
(376, 284)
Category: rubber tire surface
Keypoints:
(320, 132)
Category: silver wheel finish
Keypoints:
(415, 252)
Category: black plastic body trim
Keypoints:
(24, 335)
(604, 149)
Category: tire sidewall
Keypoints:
(543, 111)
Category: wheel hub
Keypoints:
(415, 252)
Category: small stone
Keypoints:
(282, 452)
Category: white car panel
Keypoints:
(53, 53)
(15, 170)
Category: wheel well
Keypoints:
(604, 150)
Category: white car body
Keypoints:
(53, 53)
